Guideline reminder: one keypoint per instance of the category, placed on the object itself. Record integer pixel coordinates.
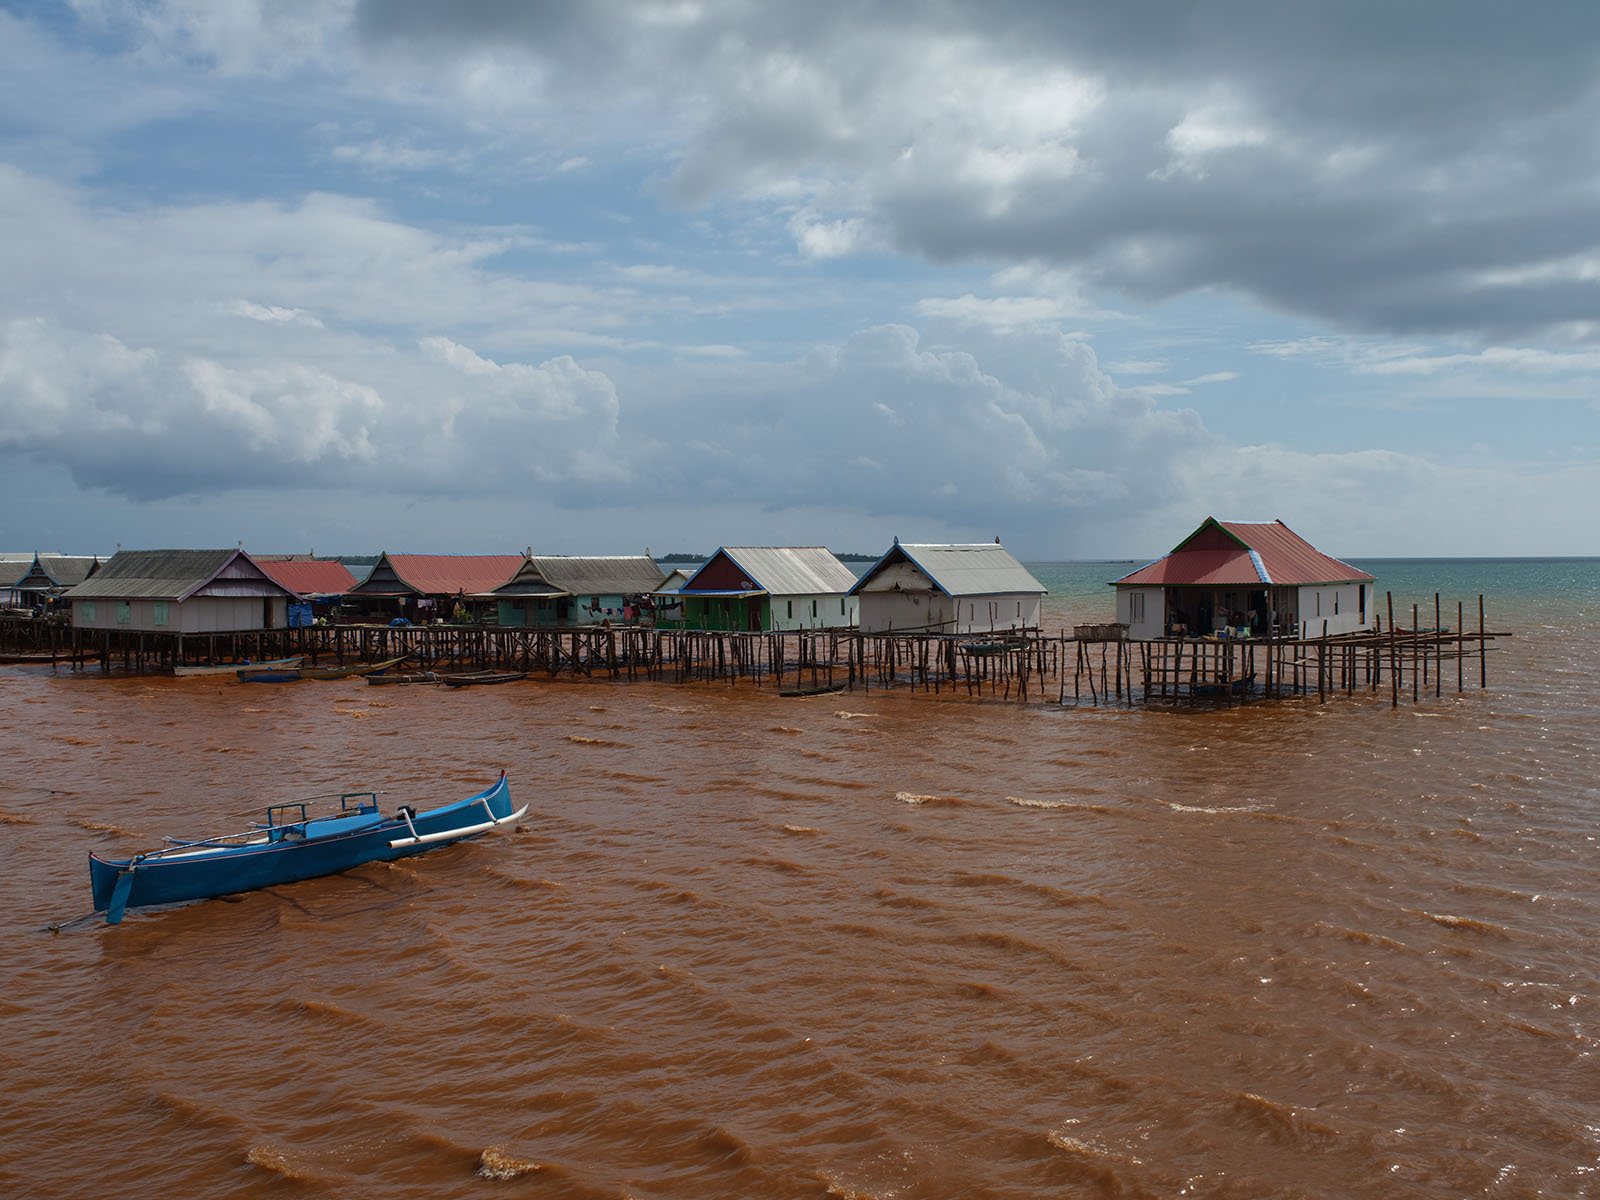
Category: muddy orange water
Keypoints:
(848, 946)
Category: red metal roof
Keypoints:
(1219, 553)
(309, 578)
(447, 574)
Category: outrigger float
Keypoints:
(290, 846)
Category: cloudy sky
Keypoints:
(349, 275)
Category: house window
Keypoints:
(841, 606)
(1136, 608)
(1319, 604)
(813, 610)
(86, 611)
(161, 614)
(790, 604)
(1336, 604)
(124, 612)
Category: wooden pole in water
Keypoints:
(1394, 657)
(1439, 650)
(1461, 645)
(1483, 666)
(1416, 682)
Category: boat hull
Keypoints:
(236, 667)
(275, 675)
(174, 876)
(479, 678)
(415, 677)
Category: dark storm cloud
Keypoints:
(1394, 168)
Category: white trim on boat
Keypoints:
(464, 831)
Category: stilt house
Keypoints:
(427, 587)
(561, 591)
(180, 591)
(977, 588)
(1253, 578)
(49, 575)
(14, 564)
(769, 588)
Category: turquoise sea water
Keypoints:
(1515, 590)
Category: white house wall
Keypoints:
(201, 614)
(1334, 608)
(815, 612)
(992, 614)
(1143, 611)
(883, 612)
(905, 612)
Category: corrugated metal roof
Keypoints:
(600, 575)
(309, 577)
(1268, 552)
(978, 569)
(1290, 558)
(13, 567)
(172, 575)
(791, 570)
(67, 570)
(53, 572)
(448, 574)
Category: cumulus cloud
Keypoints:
(131, 420)
(1379, 169)
(1026, 176)
(1350, 162)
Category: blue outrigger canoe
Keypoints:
(289, 846)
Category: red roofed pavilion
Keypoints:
(422, 586)
(1256, 575)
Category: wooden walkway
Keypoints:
(1101, 668)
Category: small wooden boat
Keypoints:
(821, 689)
(289, 847)
(985, 649)
(45, 657)
(471, 678)
(233, 668)
(292, 674)
(405, 677)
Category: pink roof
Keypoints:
(447, 574)
(1244, 554)
(309, 578)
